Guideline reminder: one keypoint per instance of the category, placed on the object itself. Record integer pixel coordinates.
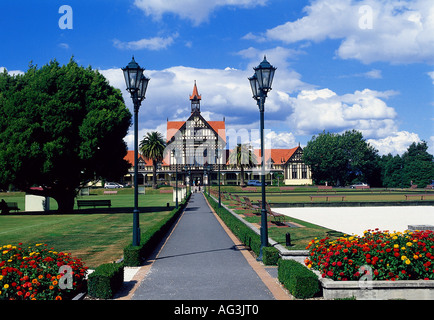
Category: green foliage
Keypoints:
(342, 159)
(300, 281)
(415, 165)
(241, 231)
(242, 157)
(106, 280)
(152, 147)
(151, 237)
(270, 256)
(60, 127)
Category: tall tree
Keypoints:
(341, 159)
(152, 147)
(391, 171)
(418, 165)
(60, 127)
(242, 157)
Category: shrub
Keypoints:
(241, 231)
(300, 281)
(383, 255)
(270, 256)
(106, 280)
(33, 272)
(150, 238)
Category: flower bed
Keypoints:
(37, 272)
(374, 256)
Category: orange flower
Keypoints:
(54, 283)
(58, 298)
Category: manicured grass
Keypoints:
(302, 194)
(96, 238)
(300, 237)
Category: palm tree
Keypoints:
(242, 157)
(152, 147)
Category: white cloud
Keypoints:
(395, 143)
(431, 75)
(317, 110)
(156, 43)
(197, 11)
(401, 31)
(64, 45)
(293, 104)
(11, 72)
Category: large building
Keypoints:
(197, 152)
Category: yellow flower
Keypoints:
(5, 251)
(402, 248)
(407, 261)
(403, 258)
(1, 277)
(309, 266)
(6, 286)
(396, 246)
(409, 244)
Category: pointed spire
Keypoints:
(195, 95)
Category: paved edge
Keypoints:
(275, 288)
(278, 292)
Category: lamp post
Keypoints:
(209, 169)
(137, 84)
(218, 166)
(260, 84)
(176, 183)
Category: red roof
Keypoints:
(195, 95)
(174, 126)
(278, 156)
(148, 162)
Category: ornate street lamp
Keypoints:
(260, 83)
(137, 84)
(218, 155)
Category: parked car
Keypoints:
(254, 183)
(112, 185)
(360, 184)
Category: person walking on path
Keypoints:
(199, 261)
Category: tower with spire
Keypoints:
(195, 100)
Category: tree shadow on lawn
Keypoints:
(95, 211)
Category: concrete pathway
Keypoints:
(201, 261)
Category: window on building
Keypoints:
(303, 171)
(294, 171)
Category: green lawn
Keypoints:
(94, 237)
(300, 237)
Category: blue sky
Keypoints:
(343, 64)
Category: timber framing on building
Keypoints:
(196, 152)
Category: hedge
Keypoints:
(245, 234)
(299, 280)
(106, 280)
(151, 237)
